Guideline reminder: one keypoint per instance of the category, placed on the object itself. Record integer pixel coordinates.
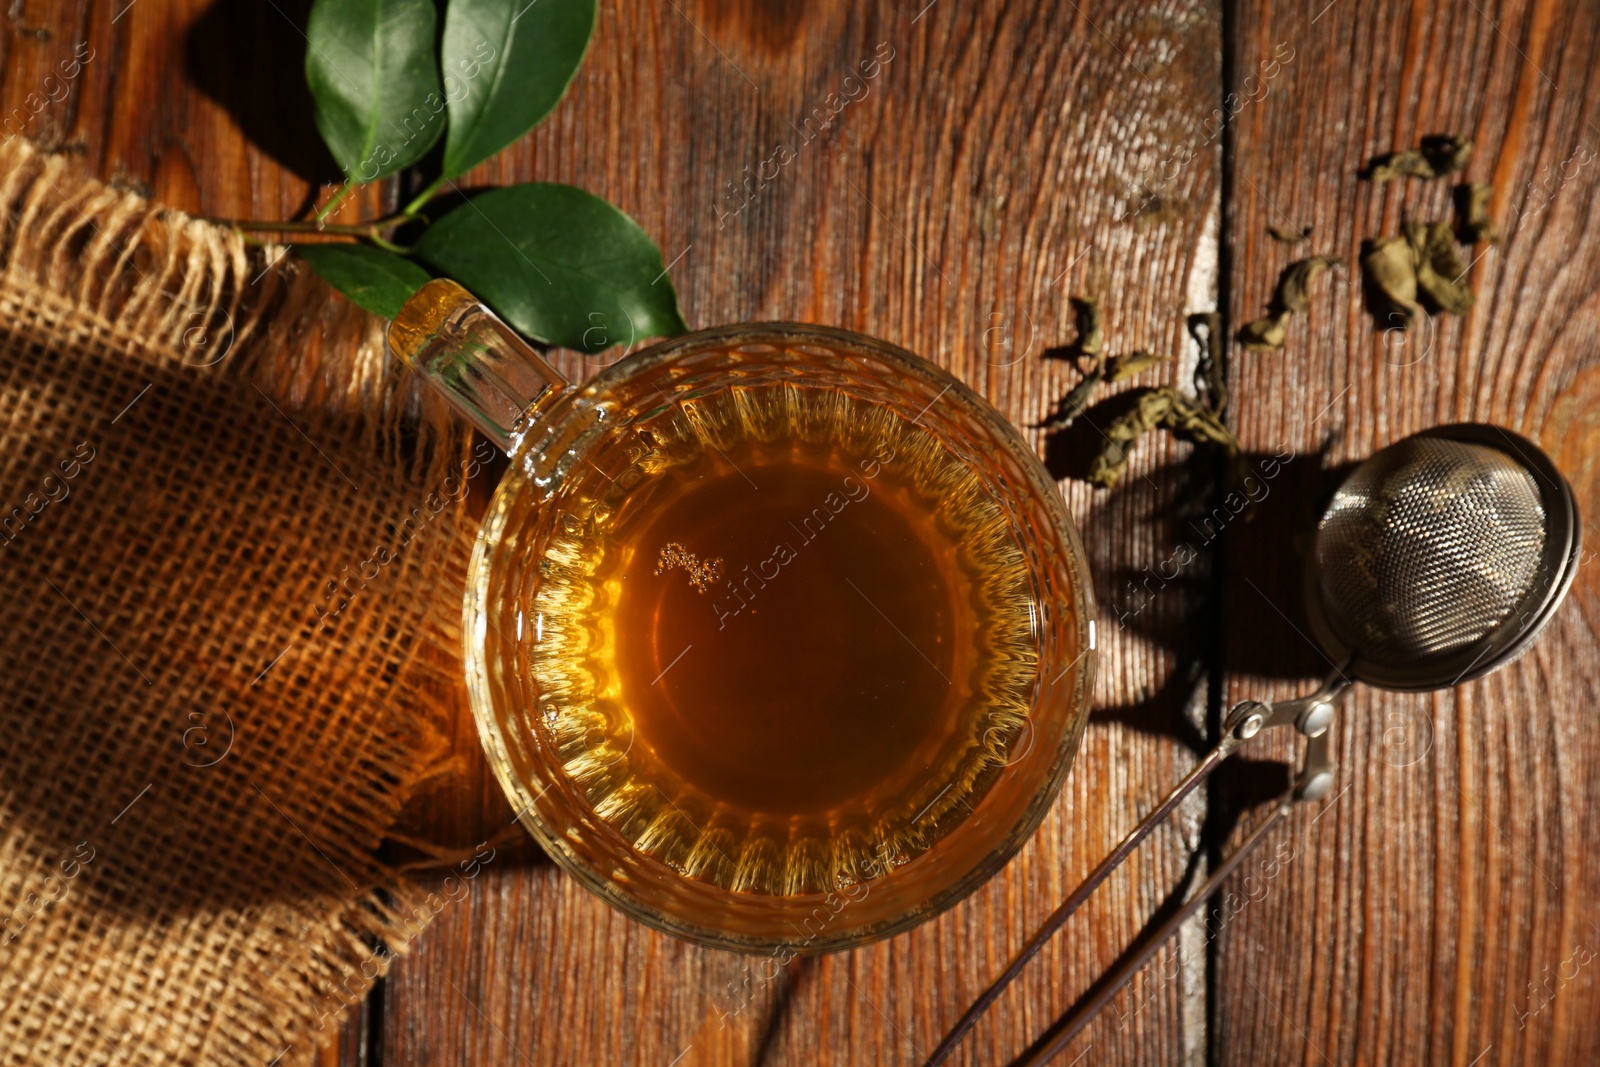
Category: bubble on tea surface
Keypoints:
(702, 573)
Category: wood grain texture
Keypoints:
(988, 173)
(952, 209)
(1454, 866)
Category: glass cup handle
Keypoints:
(482, 367)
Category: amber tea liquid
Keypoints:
(786, 640)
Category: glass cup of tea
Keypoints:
(778, 638)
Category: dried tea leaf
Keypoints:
(1390, 266)
(1089, 343)
(1439, 270)
(1206, 329)
(1077, 401)
(1107, 468)
(1121, 368)
(1472, 213)
(1295, 282)
(1188, 419)
(1290, 237)
(1447, 153)
(1089, 338)
(1159, 408)
(1408, 164)
(1151, 406)
(1293, 294)
(1439, 156)
(1265, 334)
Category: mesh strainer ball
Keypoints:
(1441, 556)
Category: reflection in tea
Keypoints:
(782, 632)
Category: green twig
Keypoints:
(423, 197)
(372, 230)
(361, 229)
(387, 245)
(333, 204)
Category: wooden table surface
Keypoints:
(1443, 904)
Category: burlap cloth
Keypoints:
(203, 740)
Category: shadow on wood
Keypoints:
(249, 58)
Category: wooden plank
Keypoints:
(985, 176)
(1427, 904)
(1418, 910)
(976, 185)
(198, 103)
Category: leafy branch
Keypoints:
(559, 264)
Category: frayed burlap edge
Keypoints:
(160, 278)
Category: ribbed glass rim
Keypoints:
(476, 617)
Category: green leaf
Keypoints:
(374, 83)
(506, 64)
(376, 280)
(559, 264)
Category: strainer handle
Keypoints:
(1311, 716)
(1313, 783)
(1316, 772)
(1243, 723)
(1074, 1021)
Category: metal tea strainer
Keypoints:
(1438, 560)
